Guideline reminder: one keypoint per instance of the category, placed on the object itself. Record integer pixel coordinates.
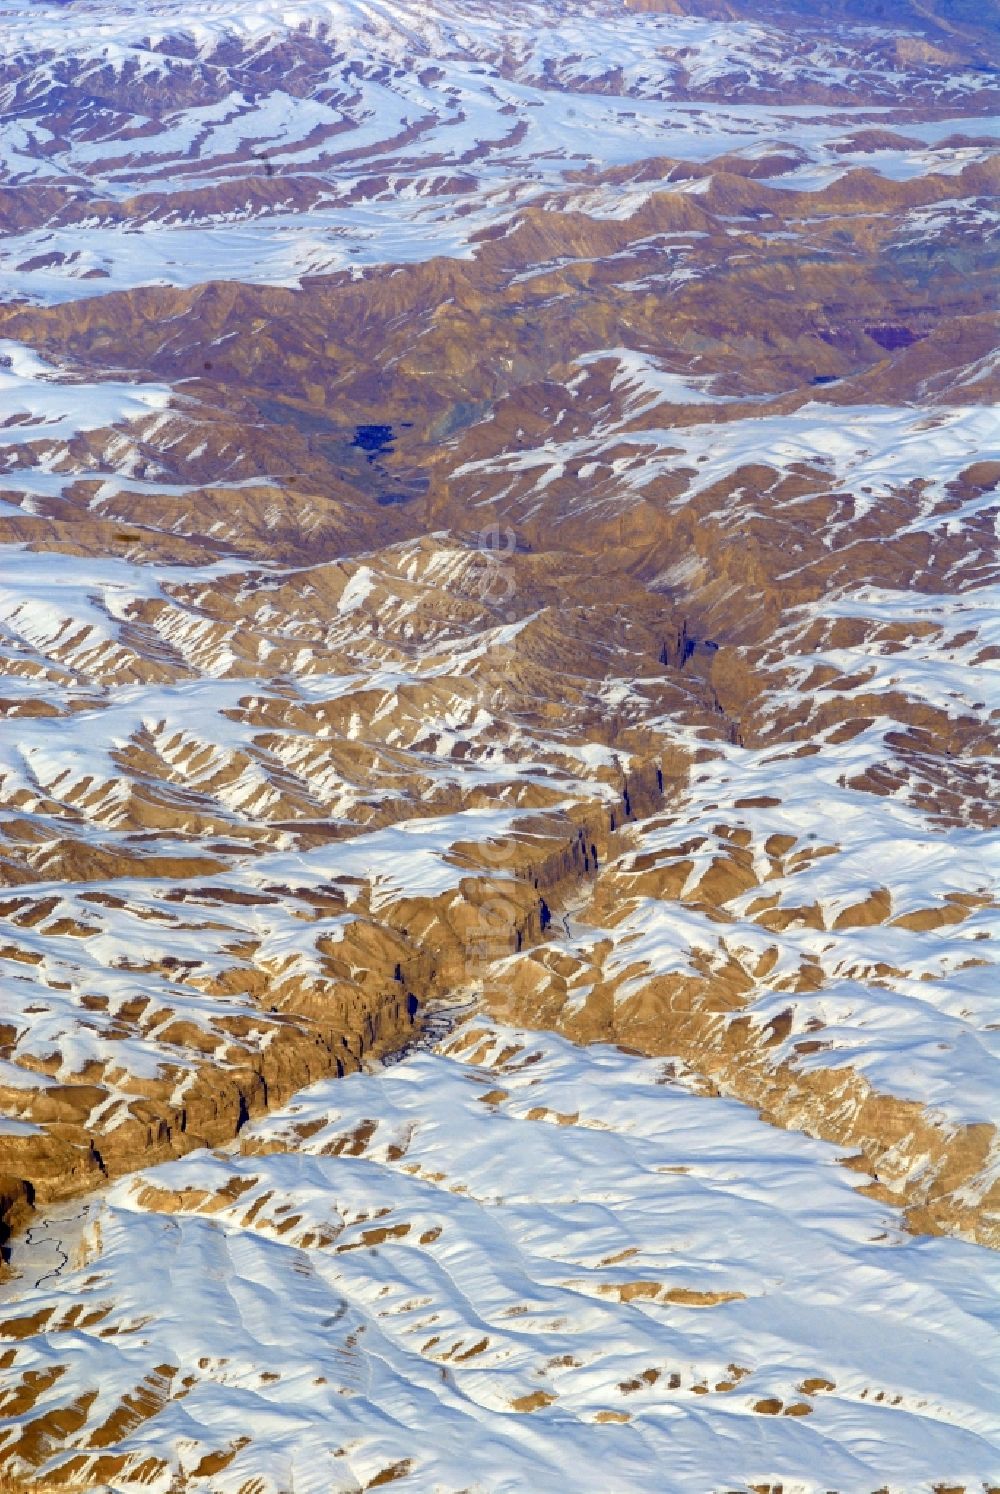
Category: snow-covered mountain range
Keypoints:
(498, 726)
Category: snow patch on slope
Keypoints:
(511, 1257)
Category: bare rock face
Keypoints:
(494, 510)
